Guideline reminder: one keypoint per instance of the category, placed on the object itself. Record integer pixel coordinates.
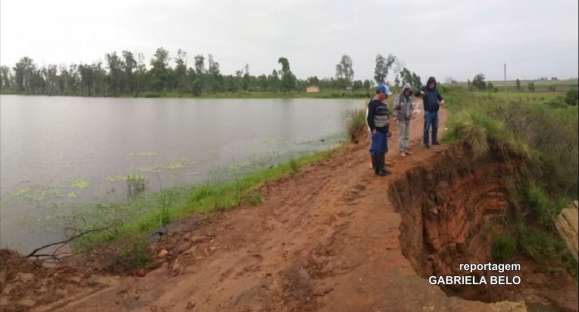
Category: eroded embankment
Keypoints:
(453, 208)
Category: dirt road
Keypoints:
(326, 239)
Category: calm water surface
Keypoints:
(58, 151)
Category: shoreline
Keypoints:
(333, 94)
(148, 214)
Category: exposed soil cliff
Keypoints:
(451, 210)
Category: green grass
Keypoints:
(355, 123)
(503, 247)
(128, 225)
(539, 127)
(540, 85)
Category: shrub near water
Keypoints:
(355, 124)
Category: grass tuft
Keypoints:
(503, 247)
(355, 124)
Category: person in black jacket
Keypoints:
(432, 101)
(377, 119)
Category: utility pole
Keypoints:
(505, 70)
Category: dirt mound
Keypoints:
(25, 284)
(451, 211)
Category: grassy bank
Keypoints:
(541, 129)
(127, 227)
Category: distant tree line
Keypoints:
(127, 74)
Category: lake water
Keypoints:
(60, 151)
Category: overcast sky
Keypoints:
(443, 38)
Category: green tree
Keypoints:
(23, 71)
(216, 79)
(246, 80)
(479, 82)
(344, 72)
(518, 82)
(274, 81)
(142, 76)
(181, 79)
(531, 86)
(411, 78)
(382, 67)
(199, 64)
(116, 73)
(199, 83)
(288, 80)
(367, 84)
(313, 81)
(130, 66)
(51, 78)
(159, 73)
(5, 78)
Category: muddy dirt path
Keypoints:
(326, 239)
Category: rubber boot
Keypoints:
(375, 164)
(382, 165)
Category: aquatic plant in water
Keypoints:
(135, 185)
(79, 184)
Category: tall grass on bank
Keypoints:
(129, 225)
(355, 120)
(542, 131)
(541, 127)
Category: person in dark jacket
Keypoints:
(377, 118)
(432, 101)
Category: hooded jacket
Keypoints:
(431, 97)
(403, 105)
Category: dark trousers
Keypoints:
(430, 123)
(378, 149)
(379, 143)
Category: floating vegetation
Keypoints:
(36, 193)
(179, 164)
(116, 178)
(136, 185)
(150, 169)
(71, 195)
(22, 192)
(79, 184)
(144, 154)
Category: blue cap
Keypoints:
(382, 88)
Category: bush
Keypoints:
(572, 97)
(540, 205)
(541, 245)
(131, 253)
(355, 124)
(503, 247)
(294, 166)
